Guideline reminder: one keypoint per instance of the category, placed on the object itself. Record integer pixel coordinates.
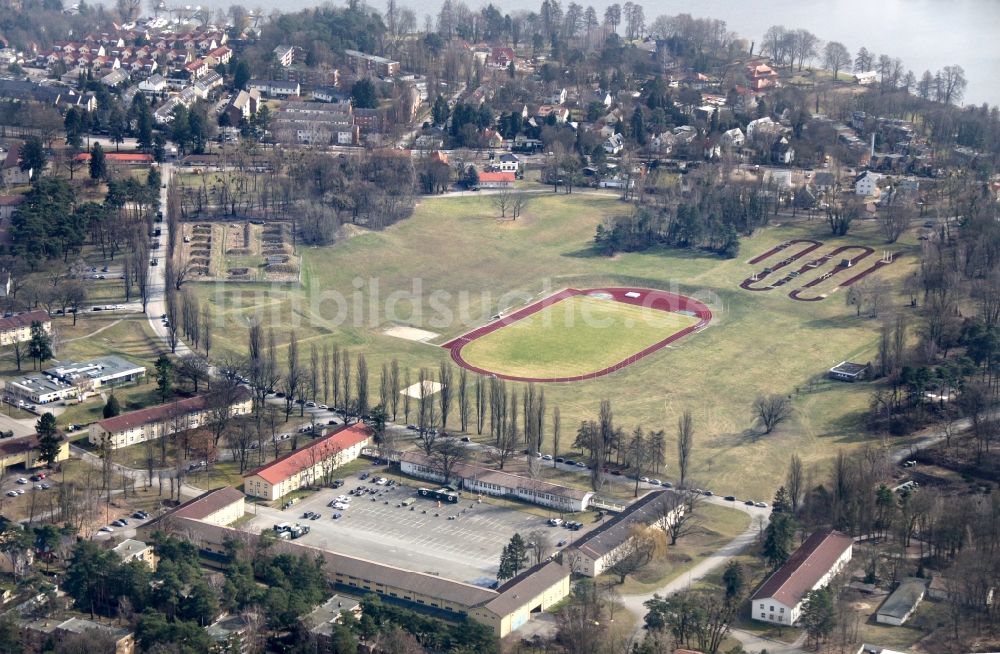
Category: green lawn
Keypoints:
(719, 525)
(574, 336)
(453, 265)
(93, 336)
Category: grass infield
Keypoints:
(574, 335)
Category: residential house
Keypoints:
(779, 600)
(662, 143)
(309, 465)
(197, 69)
(8, 205)
(165, 112)
(228, 634)
(782, 152)
(328, 94)
(116, 77)
(866, 78)
(685, 134)
(823, 182)
(560, 114)
(221, 55)
(526, 145)
(242, 106)
(506, 163)
(733, 138)
(37, 633)
(284, 55)
(366, 63)
(614, 144)
(274, 88)
(903, 601)
(321, 620)
(595, 552)
(556, 97)
(494, 140)
(153, 85)
(502, 57)
(164, 419)
(866, 184)
(760, 76)
(205, 85)
(704, 112)
(136, 550)
(17, 329)
(761, 128)
(782, 179)
(369, 121)
(10, 171)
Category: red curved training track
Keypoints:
(798, 293)
(649, 298)
(746, 284)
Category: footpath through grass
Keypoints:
(719, 526)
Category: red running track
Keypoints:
(649, 298)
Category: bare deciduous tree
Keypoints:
(772, 410)
(446, 455)
(679, 515)
(642, 544)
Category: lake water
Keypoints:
(925, 34)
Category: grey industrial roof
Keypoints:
(615, 530)
(904, 599)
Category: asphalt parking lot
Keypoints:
(423, 539)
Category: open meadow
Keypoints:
(453, 265)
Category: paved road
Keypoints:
(156, 306)
(634, 603)
(753, 642)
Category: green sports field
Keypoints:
(575, 336)
(454, 252)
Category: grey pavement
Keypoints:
(460, 541)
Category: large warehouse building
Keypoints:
(203, 521)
